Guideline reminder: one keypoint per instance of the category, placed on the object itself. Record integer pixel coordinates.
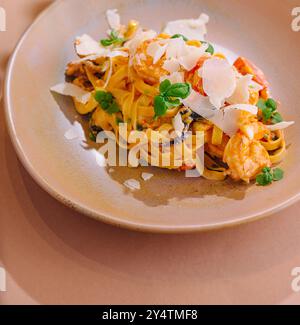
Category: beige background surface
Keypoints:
(55, 255)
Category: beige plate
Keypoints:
(169, 202)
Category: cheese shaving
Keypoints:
(199, 104)
(227, 118)
(178, 124)
(146, 176)
(156, 51)
(132, 184)
(241, 94)
(113, 19)
(194, 29)
(280, 126)
(68, 89)
(219, 80)
(85, 45)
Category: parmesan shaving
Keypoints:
(113, 19)
(192, 56)
(85, 45)
(68, 89)
(178, 124)
(241, 94)
(219, 80)
(156, 51)
(147, 176)
(280, 126)
(227, 118)
(199, 104)
(132, 184)
(171, 65)
(194, 29)
(175, 77)
(74, 132)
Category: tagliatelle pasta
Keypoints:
(167, 86)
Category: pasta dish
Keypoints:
(175, 84)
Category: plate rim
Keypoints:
(81, 208)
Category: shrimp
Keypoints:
(249, 126)
(244, 154)
(144, 66)
(194, 78)
(245, 66)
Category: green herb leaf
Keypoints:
(180, 35)
(264, 179)
(113, 39)
(276, 118)
(261, 104)
(268, 176)
(92, 136)
(178, 90)
(164, 86)
(267, 113)
(170, 95)
(272, 104)
(160, 107)
(210, 49)
(113, 108)
(278, 174)
(266, 170)
(107, 102)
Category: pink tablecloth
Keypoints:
(52, 254)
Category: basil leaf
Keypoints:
(261, 104)
(107, 102)
(171, 104)
(210, 49)
(106, 42)
(180, 35)
(113, 39)
(267, 113)
(278, 174)
(164, 86)
(276, 118)
(272, 104)
(266, 170)
(264, 179)
(179, 90)
(113, 108)
(160, 107)
(92, 137)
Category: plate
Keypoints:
(169, 202)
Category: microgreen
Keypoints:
(107, 102)
(92, 137)
(210, 48)
(170, 95)
(269, 111)
(180, 35)
(113, 39)
(268, 176)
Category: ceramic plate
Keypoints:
(169, 202)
